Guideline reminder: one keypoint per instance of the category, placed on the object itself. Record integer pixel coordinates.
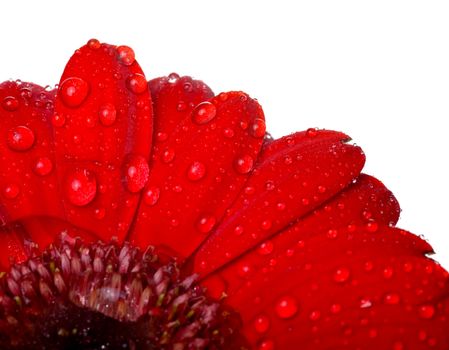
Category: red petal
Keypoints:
(28, 182)
(103, 138)
(367, 202)
(294, 176)
(198, 172)
(357, 290)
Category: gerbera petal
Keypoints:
(366, 202)
(103, 138)
(346, 291)
(295, 175)
(28, 182)
(198, 172)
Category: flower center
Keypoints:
(107, 296)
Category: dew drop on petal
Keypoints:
(286, 307)
(204, 113)
(196, 171)
(341, 275)
(392, 299)
(151, 196)
(258, 128)
(73, 91)
(100, 213)
(426, 311)
(20, 138)
(315, 315)
(168, 155)
(137, 83)
(93, 44)
(107, 114)
(244, 164)
(10, 103)
(262, 324)
(266, 248)
(136, 173)
(11, 191)
(126, 55)
(43, 166)
(58, 120)
(206, 223)
(311, 132)
(266, 345)
(80, 187)
(228, 133)
(372, 226)
(238, 230)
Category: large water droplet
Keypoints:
(206, 223)
(266, 345)
(43, 166)
(20, 138)
(73, 91)
(126, 55)
(94, 44)
(107, 114)
(204, 113)
(10, 103)
(137, 83)
(80, 187)
(286, 307)
(196, 171)
(136, 173)
(58, 120)
(244, 164)
(168, 155)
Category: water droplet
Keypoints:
(204, 113)
(137, 83)
(152, 195)
(281, 206)
(372, 226)
(258, 128)
(269, 186)
(238, 231)
(10, 103)
(266, 224)
(93, 44)
(262, 324)
(161, 136)
(335, 308)
(341, 275)
(315, 315)
(392, 299)
(20, 138)
(196, 171)
(100, 213)
(58, 120)
(168, 155)
(206, 223)
(73, 91)
(332, 234)
(286, 307)
(11, 191)
(228, 133)
(126, 55)
(266, 248)
(311, 132)
(81, 187)
(426, 311)
(43, 166)
(244, 164)
(173, 78)
(388, 272)
(136, 173)
(266, 345)
(322, 189)
(365, 303)
(107, 114)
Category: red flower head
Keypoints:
(161, 216)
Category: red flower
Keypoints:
(295, 247)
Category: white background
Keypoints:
(378, 70)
